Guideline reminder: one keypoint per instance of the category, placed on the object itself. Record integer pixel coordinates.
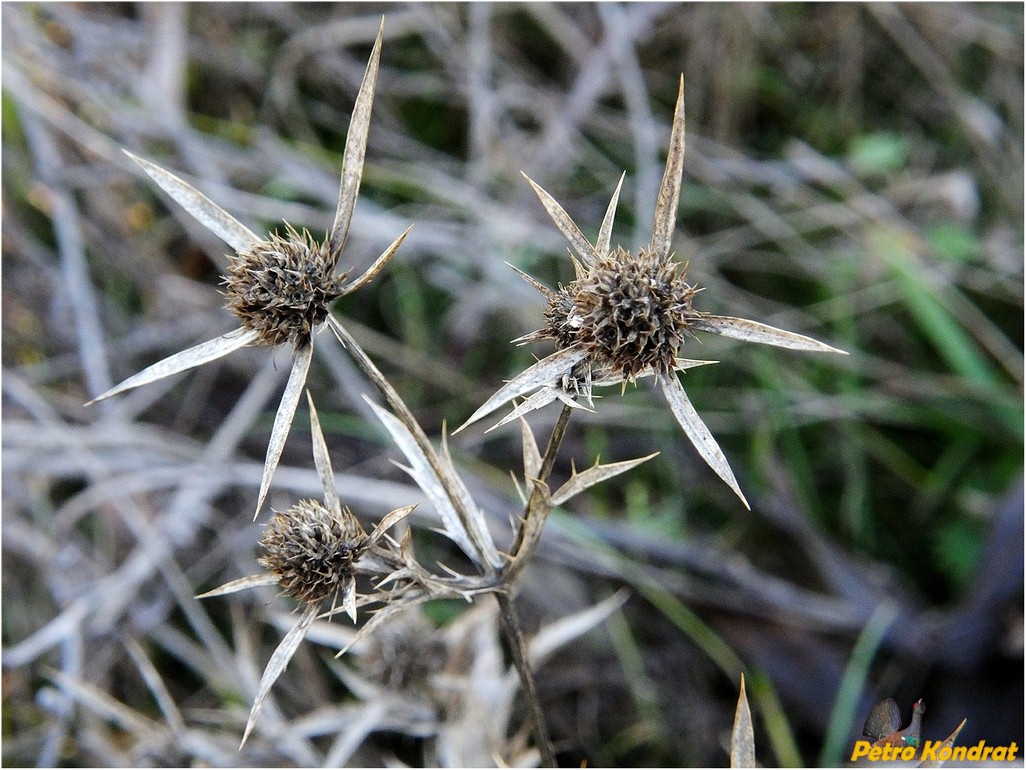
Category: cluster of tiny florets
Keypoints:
(311, 551)
(629, 311)
(281, 287)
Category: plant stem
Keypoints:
(518, 649)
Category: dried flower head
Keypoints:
(311, 551)
(279, 287)
(627, 316)
(314, 552)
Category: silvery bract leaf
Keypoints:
(606, 230)
(252, 581)
(322, 461)
(544, 372)
(697, 432)
(566, 225)
(283, 419)
(187, 359)
(389, 521)
(356, 149)
(349, 599)
(753, 331)
(279, 659)
(379, 263)
(555, 635)
(579, 482)
(669, 189)
(423, 474)
(537, 400)
(206, 212)
(742, 736)
(532, 457)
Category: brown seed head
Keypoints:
(281, 287)
(630, 312)
(312, 551)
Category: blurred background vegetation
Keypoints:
(853, 172)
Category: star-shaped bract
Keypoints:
(627, 316)
(280, 287)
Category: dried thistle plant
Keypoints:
(279, 287)
(626, 316)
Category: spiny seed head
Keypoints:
(629, 312)
(281, 287)
(311, 551)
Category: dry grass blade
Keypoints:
(106, 706)
(283, 419)
(371, 272)
(356, 149)
(566, 225)
(186, 359)
(669, 189)
(279, 659)
(544, 372)
(579, 482)
(946, 743)
(322, 461)
(206, 212)
(742, 735)
(753, 331)
(697, 432)
(606, 230)
(241, 584)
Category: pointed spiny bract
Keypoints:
(627, 316)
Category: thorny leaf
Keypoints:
(949, 741)
(381, 615)
(742, 736)
(356, 148)
(697, 432)
(186, 359)
(283, 419)
(424, 475)
(669, 189)
(205, 211)
(544, 372)
(279, 659)
(322, 461)
(753, 331)
(579, 482)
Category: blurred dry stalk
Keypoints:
(118, 520)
